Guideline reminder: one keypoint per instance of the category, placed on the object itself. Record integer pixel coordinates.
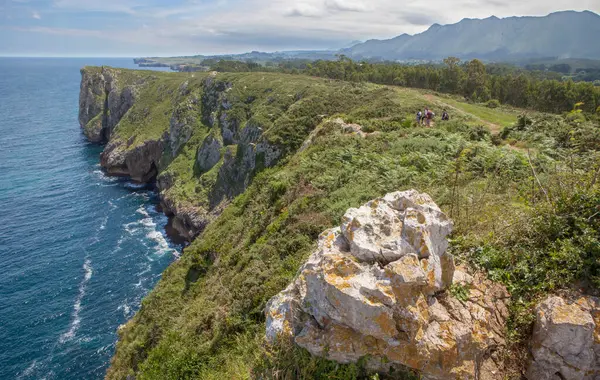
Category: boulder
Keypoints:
(376, 288)
(566, 340)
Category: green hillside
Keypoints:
(521, 187)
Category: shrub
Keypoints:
(493, 103)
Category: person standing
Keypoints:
(419, 117)
(429, 117)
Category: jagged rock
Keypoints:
(209, 153)
(354, 129)
(566, 340)
(140, 163)
(103, 102)
(181, 125)
(383, 231)
(91, 104)
(189, 220)
(375, 288)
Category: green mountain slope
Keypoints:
(292, 154)
(562, 34)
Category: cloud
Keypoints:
(418, 18)
(304, 10)
(36, 15)
(346, 5)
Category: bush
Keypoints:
(493, 103)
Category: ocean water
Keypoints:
(78, 249)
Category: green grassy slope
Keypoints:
(205, 318)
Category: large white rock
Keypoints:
(374, 288)
(566, 340)
(400, 224)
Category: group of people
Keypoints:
(426, 117)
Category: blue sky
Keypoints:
(131, 28)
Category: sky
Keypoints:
(137, 28)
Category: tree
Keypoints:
(476, 82)
(451, 76)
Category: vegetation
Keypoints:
(523, 191)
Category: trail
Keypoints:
(494, 128)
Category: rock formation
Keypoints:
(103, 101)
(209, 153)
(566, 340)
(377, 287)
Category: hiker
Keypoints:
(445, 116)
(429, 117)
(424, 115)
(419, 117)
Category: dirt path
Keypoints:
(494, 128)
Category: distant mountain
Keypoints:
(562, 34)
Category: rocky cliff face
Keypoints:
(377, 287)
(103, 101)
(109, 96)
(566, 340)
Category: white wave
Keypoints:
(125, 308)
(76, 321)
(129, 227)
(102, 175)
(103, 224)
(161, 242)
(142, 210)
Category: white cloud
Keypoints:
(36, 15)
(304, 10)
(346, 5)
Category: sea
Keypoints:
(78, 249)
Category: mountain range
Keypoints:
(567, 34)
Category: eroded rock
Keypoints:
(566, 340)
(183, 121)
(140, 162)
(103, 101)
(209, 153)
(375, 288)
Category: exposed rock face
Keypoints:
(566, 340)
(184, 119)
(140, 163)
(209, 153)
(103, 101)
(374, 288)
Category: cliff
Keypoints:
(255, 166)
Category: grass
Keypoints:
(205, 317)
(495, 118)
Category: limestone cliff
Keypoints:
(104, 99)
(153, 126)
(377, 287)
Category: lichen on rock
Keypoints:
(375, 287)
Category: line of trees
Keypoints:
(541, 91)
(473, 80)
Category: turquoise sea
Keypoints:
(78, 249)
